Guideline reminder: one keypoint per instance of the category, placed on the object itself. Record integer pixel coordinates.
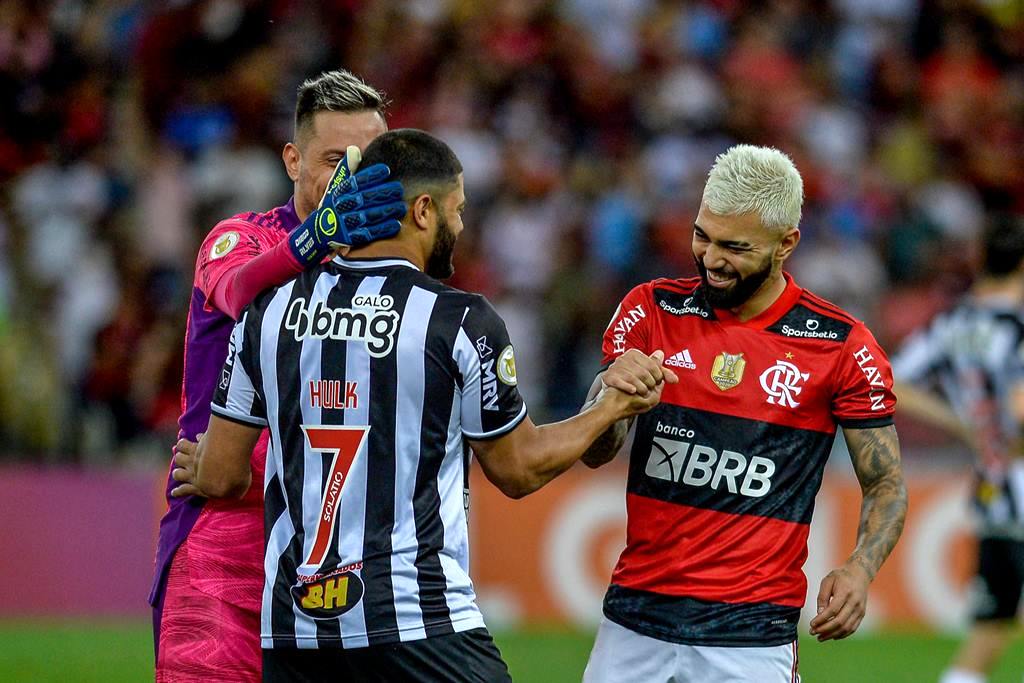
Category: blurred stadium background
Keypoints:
(586, 128)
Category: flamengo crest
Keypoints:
(780, 383)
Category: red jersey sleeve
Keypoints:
(863, 396)
(232, 243)
(630, 327)
(238, 260)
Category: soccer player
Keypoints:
(724, 472)
(375, 380)
(209, 565)
(964, 373)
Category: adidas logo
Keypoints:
(682, 360)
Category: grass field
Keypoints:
(110, 652)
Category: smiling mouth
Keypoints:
(719, 279)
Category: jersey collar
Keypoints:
(768, 316)
(373, 263)
(287, 216)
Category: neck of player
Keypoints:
(392, 248)
(1009, 288)
(766, 295)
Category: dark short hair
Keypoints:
(337, 90)
(420, 161)
(1004, 245)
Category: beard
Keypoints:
(740, 291)
(439, 263)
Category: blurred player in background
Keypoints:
(964, 373)
(367, 548)
(209, 564)
(724, 471)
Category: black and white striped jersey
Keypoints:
(973, 355)
(370, 376)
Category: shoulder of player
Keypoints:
(248, 222)
(826, 307)
(681, 286)
(226, 235)
(816, 319)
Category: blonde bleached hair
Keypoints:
(748, 179)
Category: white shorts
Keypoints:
(620, 655)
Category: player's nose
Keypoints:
(713, 257)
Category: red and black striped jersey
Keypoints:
(724, 471)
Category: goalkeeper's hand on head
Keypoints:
(357, 208)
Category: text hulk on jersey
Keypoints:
(209, 563)
(367, 550)
(724, 471)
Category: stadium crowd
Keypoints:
(128, 128)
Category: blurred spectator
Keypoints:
(585, 127)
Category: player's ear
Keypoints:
(291, 157)
(421, 211)
(788, 243)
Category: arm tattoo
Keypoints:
(607, 445)
(876, 460)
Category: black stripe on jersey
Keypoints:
(378, 601)
(867, 422)
(273, 508)
(678, 304)
(332, 367)
(237, 420)
(690, 621)
(1013, 321)
(680, 286)
(439, 391)
(815, 301)
(254, 315)
(293, 448)
(720, 462)
(805, 323)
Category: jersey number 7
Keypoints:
(344, 443)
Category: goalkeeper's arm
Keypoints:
(355, 210)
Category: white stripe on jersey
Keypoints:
(465, 355)
(1015, 482)
(312, 495)
(460, 596)
(409, 415)
(352, 515)
(373, 264)
(283, 531)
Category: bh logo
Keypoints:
(780, 383)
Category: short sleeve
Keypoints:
(863, 396)
(231, 244)
(630, 325)
(235, 397)
(491, 403)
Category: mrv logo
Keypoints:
(700, 465)
(375, 325)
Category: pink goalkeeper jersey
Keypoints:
(225, 536)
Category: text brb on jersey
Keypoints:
(701, 465)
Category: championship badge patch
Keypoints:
(727, 370)
(507, 366)
(225, 244)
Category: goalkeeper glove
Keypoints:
(357, 208)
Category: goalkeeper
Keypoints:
(209, 564)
